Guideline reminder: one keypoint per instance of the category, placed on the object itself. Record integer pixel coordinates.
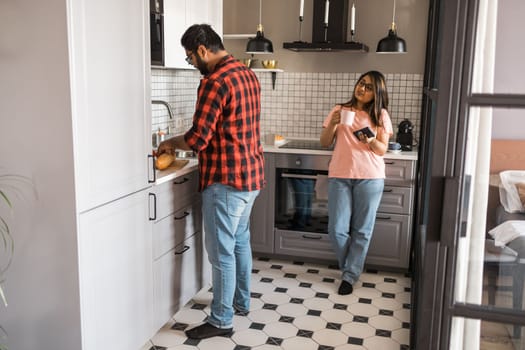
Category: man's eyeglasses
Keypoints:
(368, 87)
(189, 60)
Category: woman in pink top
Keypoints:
(356, 173)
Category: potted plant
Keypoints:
(9, 186)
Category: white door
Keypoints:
(110, 87)
(116, 272)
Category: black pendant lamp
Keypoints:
(392, 43)
(259, 44)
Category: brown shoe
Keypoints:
(206, 330)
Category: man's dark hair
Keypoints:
(201, 34)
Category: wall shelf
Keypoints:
(274, 72)
(238, 36)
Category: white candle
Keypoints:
(352, 18)
(327, 6)
(301, 8)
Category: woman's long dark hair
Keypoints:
(380, 100)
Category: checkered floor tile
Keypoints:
(295, 306)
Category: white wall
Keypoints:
(35, 125)
(280, 19)
(510, 51)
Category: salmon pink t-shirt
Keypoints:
(351, 158)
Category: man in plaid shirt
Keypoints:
(225, 134)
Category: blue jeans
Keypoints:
(352, 208)
(226, 213)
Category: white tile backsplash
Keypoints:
(295, 108)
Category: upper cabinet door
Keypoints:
(178, 16)
(215, 15)
(110, 87)
(175, 13)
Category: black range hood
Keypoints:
(325, 46)
(332, 38)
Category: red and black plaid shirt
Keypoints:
(225, 130)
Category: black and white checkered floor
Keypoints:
(295, 306)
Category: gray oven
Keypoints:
(301, 193)
(301, 188)
(301, 201)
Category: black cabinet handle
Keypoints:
(181, 217)
(384, 217)
(311, 237)
(184, 250)
(185, 179)
(150, 156)
(152, 195)
(389, 163)
(387, 190)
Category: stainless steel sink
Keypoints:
(180, 154)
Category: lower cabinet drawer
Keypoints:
(177, 276)
(399, 172)
(175, 194)
(390, 242)
(175, 228)
(308, 245)
(396, 200)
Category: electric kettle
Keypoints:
(404, 135)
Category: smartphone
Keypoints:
(366, 130)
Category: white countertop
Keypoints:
(406, 155)
(167, 175)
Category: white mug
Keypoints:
(347, 116)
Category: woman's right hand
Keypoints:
(336, 116)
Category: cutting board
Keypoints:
(177, 164)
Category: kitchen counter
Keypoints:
(163, 176)
(404, 155)
(169, 174)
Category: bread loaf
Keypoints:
(164, 161)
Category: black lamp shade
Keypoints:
(391, 44)
(259, 44)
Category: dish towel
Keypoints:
(321, 187)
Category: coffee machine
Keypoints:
(404, 135)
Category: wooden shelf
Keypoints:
(275, 70)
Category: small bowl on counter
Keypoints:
(269, 64)
(248, 62)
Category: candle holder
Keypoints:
(300, 30)
(352, 36)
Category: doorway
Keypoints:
(474, 95)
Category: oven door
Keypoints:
(301, 200)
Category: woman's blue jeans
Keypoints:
(226, 213)
(352, 208)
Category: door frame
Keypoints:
(447, 100)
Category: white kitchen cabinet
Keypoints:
(89, 247)
(180, 263)
(177, 276)
(263, 211)
(392, 238)
(115, 254)
(178, 16)
(111, 114)
(110, 82)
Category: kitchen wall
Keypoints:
(311, 82)
(295, 108)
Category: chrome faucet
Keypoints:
(161, 102)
